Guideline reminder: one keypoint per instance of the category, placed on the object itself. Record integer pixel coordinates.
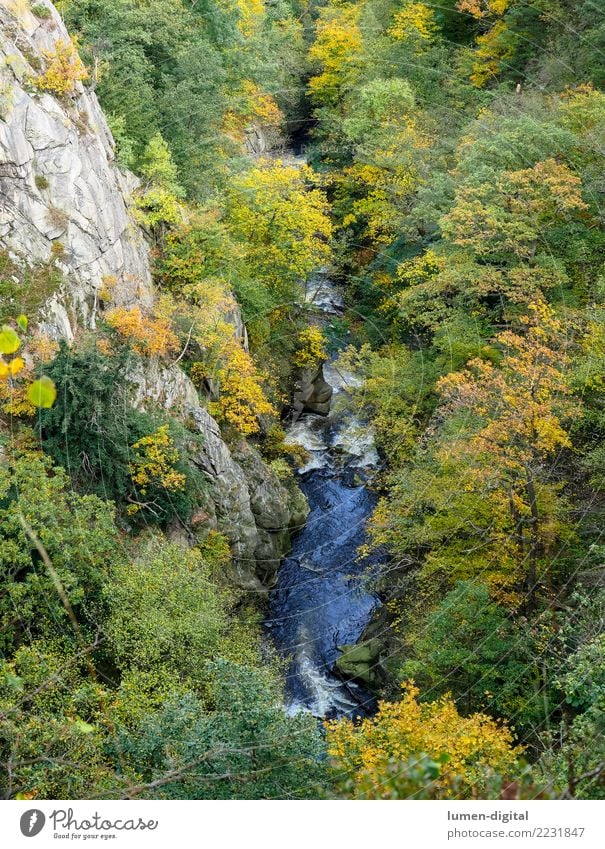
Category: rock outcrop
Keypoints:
(247, 501)
(312, 393)
(61, 195)
(63, 199)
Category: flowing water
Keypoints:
(320, 601)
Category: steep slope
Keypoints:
(65, 203)
(60, 192)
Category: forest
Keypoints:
(443, 165)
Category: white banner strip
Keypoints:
(302, 825)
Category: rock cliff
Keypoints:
(60, 194)
(64, 200)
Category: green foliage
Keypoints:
(282, 218)
(41, 11)
(158, 205)
(245, 748)
(39, 508)
(167, 613)
(157, 63)
(49, 704)
(466, 199)
(92, 428)
(470, 647)
(23, 288)
(125, 148)
(89, 430)
(458, 191)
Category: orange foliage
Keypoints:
(149, 336)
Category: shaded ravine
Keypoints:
(320, 601)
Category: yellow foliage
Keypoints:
(493, 48)
(335, 49)
(108, 284)
(311, 347)
(475, 745)
(256, 106)
(284, 222)
(242, 398)
(416, 21)
(511, 213)
(17, 372)
(64, 69)
(209, 309)
(153, 465)
(13, 397)
(42, 348)
(149, 336)
(418, 270)
(523, 400)
(381, 206)
(261, 105)
(251, 14)
(483, 8)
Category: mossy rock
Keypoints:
(361, 662)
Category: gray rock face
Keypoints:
(247, 501)
(58, 181)
(263, 141)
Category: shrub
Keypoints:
(311, 347)
(78, 534)
(64, 69)
(19, 395)
(111, 449)
(241, 400)
(158, 206)
(90, 429)
(23, 289)
(149, 336)
(41, 182)
(41, 11)
(245, 748)
(57, 218)
(166, 612)
(153, 469)
(466, 750)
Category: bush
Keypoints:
(76, 532)
(245, 748)
(64, 69)
(41, 11)
(464, 752)
(148, 336)
(311, 347)
(32, 287)
(92, 432)
(166, 612)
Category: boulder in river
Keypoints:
(361, 662)
(312, 393)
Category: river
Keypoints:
(321, 600)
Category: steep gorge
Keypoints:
(67, 206)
